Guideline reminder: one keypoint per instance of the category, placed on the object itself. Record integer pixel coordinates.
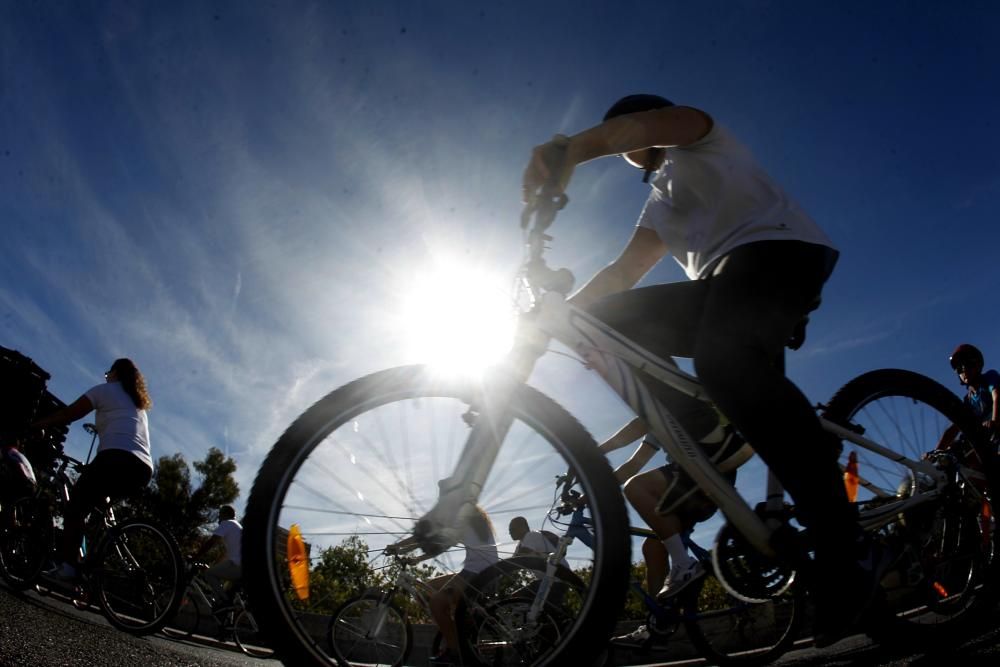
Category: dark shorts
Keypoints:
(115, 474)
(684, 499)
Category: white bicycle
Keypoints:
(406, 452)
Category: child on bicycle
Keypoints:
(670, 503)
(982, 392)
(123, 464)
(757, 264)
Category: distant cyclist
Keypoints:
(228, 567)
(757, 264)
(122, 466)
(982, 392)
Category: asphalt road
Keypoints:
(40, 631)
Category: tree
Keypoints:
(186, 511)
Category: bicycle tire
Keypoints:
(139, 576)
(187, 621)
(26, 541)
(733, 633)
(945, 571)
(543, 440)
(349, 629)
(248, 636)
(492, 617)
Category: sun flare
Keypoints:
(457, 317)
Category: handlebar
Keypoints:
(537, 216)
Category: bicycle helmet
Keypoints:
(966, 355)
(635, 104)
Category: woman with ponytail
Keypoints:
(123, 464)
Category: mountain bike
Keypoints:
(376, 459)
(131, 568)
(233, 622)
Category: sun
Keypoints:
(457, 317)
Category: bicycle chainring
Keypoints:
(747, 574)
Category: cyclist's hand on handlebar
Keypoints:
(549, 169)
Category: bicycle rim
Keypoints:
(138, 577)
(26, 539)
(249, 637)
(370, 630)
(356, 471)
(944, 568)
(729, 631)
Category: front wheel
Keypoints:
(139, 574)
(26, 541)
(944, 569)
(358, 469)
(187, 620)
(249, 637)
(370, 630)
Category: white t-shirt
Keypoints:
(711, 196)
(120, 425)
(534, 542)
(231, 533)
(479, 553)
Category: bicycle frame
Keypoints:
(614, 357)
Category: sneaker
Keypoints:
(679, 579)
(640, 635)
(848, 606)
(64, 572)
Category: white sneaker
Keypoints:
(638, 636)
(679, 579)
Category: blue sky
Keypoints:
(241, 195)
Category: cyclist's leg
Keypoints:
(755, 301)
(664, 319)
(655, 556)
(442, 606)
(216, 577)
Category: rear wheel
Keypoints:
(945, 570)
(357, 470)
(138, 577)
(26, 541)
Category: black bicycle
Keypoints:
(133, 569)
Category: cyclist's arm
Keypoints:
(552, 163)
(639, 458)
(669, 126)
(210, 543)
(78, 409)
(948, 437)
(642, 252)
(626, 435)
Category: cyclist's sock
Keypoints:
(679, 556)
